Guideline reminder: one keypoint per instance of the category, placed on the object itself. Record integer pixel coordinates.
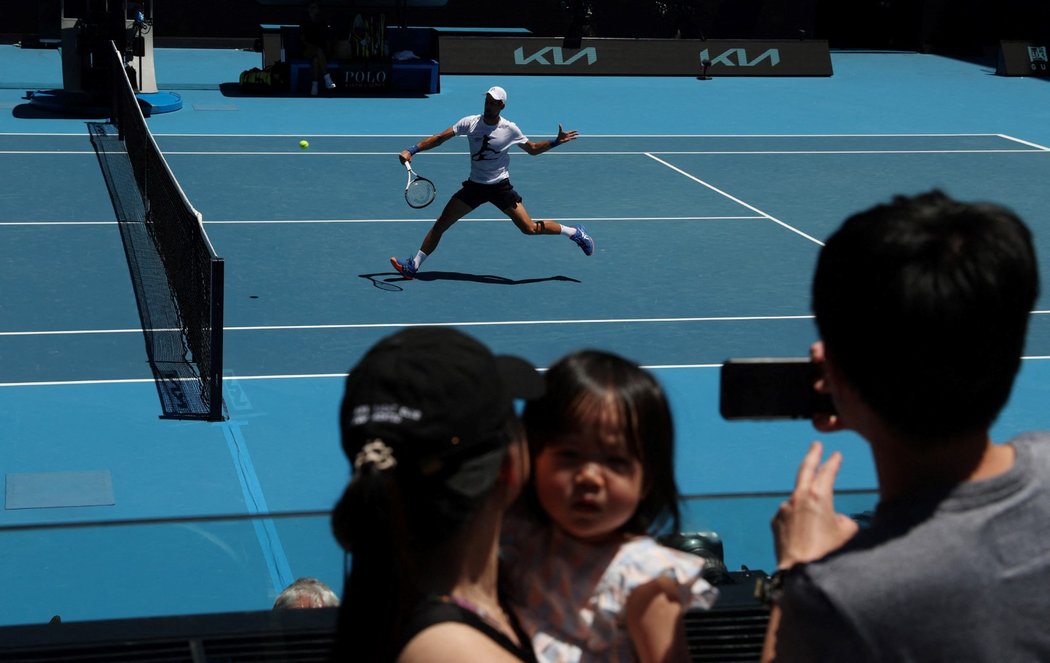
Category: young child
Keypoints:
(584, 573)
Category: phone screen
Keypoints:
(771, 388)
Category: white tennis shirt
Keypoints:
(489, 147)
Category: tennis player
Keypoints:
(491, 137)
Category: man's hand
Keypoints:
(806, 526)
(565, 136)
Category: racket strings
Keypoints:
(420, 193)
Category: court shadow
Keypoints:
(28, 111)
(390, 280)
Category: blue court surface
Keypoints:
(709, 201)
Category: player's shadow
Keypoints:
(390, 280)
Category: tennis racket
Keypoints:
(419, 191)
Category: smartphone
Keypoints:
(771, 388)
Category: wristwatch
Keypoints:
(769, 588)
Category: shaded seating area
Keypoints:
(370, 47)
(289, 636)
(731, 631)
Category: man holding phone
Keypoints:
(922, 306)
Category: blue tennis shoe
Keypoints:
(407, 269)
(583, 240)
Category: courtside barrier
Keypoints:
(633, 57)
(1023, 58)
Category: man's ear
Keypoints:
(832, 372)
(818, 353)
(825, 422)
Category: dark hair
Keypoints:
(923, 304)
(583, 378)
(388, 519)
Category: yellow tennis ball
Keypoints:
(304, 144)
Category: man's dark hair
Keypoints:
(923, 304)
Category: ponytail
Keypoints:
(369, 523)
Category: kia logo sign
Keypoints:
(557, 56)
(740, 54)
(632, 57)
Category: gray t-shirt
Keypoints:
(956, 576)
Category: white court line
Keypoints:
(33, 133)
(399, 325)
(48, 152)
(920, 135)
(1037, 149)
(737, 200)
(61, 383)
(521, 323)
(503, 219)
(59, 223)
(817, 152)
(234, 378)
(310, 376)
(582, 136)
(848, 135)
(1025, 142)
(76, 332)
(476, 323)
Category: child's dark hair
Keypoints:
(587, 378)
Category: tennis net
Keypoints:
(177, 276)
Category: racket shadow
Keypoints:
(389, 280)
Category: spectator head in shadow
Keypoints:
(429, 425)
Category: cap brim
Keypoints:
(521, 378)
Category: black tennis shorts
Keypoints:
(501, 194)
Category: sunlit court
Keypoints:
(154, 472)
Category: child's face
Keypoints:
(588, 481)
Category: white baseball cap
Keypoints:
(497, 93)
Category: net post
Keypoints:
(218, 271)
(114, 98)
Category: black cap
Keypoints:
(438, 401)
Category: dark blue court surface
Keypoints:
(708, 200)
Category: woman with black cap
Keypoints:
(438, 455)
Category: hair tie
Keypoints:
(375, 453)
